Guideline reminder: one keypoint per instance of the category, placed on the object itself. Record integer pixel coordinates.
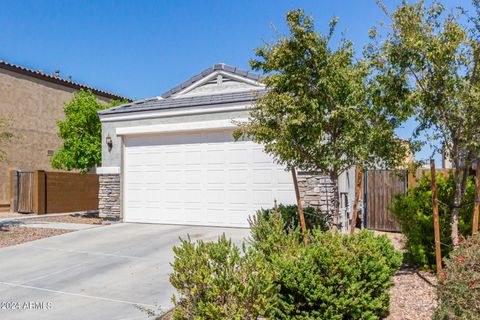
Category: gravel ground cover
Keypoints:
(12, 235)
(413, 295)
(75, 218)
(8, 214)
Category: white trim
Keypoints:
(214, 75)
(107, 170)
(178, 127)
(163, 114)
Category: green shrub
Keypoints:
(269, 235)
(458, 289)
(216, 280)
(414, 212)
(314, 217)
(335, 277)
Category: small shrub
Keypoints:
(458, 290)
(414, 212)
(269, 235)
(216, 280)
(314, 217)
(336, 277)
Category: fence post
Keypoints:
(477, 200)
(39, 192)
(358, 186)
(300, 208)
(411, 179)
(13, 178)
(436, 223)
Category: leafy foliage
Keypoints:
(334, 277)
(216, 280)
(459, 288)
(81, 132)
(317, 113)
(414, 212)
(429, 61)
(314, 217)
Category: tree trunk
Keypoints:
(456, 204)
(466, 173)
(336, 202)
(358, 186)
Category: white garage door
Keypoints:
(202, 178)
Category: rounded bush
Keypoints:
(458, 288)
(334, 277)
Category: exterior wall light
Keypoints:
(109, 142)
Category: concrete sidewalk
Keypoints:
(106, 272)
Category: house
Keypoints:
(32, 101)
(172, 159)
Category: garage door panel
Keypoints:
(263, 176)
(239, 176)
(215, 176)
(215, 196)
(201, 179)
(237, 156)
(215, 157)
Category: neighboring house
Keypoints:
(172, 159)
(33, 101)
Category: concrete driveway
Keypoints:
(109, 272)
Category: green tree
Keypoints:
(434, 58)
(317, 113)
(81, 132)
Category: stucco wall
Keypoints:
(33, 106)
(112, 158)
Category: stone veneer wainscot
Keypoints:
(109, 196)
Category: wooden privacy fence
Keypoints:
(25, 192)
(53, 192)
(380, 188)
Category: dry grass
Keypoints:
(12, 235)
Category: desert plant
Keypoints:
(335, 277)
(217, 280)
(271, 235)
(458, 289)
(415, 214)
(314, 217)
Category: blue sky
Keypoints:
(142, 48)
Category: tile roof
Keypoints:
(58, 80)
(160, 103)
(216, 67)
(166, 101)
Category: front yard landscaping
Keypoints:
(12, 235)
(412, 296)
(73, 218)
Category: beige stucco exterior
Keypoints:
(32, 107)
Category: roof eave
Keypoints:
(57, 80)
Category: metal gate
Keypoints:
(379, 190)
(25, 192)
